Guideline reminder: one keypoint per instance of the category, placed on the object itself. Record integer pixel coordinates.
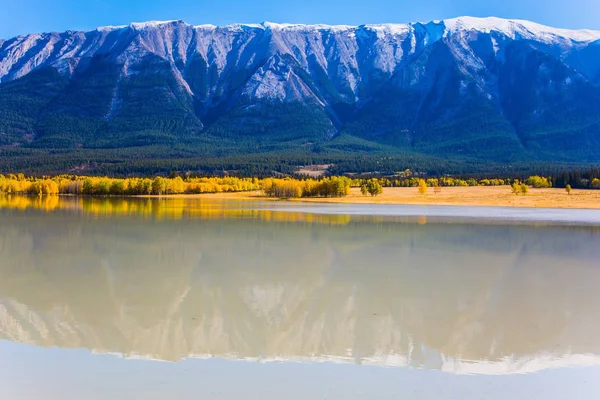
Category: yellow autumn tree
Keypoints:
(422, 186)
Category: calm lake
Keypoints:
(189, 299)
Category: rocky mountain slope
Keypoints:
(489, 88)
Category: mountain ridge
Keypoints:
(469, 22)
(486, 88)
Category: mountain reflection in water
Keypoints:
(225, 280)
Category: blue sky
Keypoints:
(27, 16)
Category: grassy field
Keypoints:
(455, 196)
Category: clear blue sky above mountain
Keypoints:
(28, 16)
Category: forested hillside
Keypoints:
(454, 96)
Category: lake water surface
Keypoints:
(190, 299)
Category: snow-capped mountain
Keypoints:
(464, 85)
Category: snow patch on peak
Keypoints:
(154, 24)
(306, 28)
(242, 27)
(111, 28)
(485, 25)
(207, 27)
(139, 25)
(516, 28)
(392, 29)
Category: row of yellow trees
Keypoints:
(517, 186)
(335, 186)
(104, 186)
(443, 181)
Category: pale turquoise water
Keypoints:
(263, 300)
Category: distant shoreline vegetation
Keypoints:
(334, 186)
(158, 186)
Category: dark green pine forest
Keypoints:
(51, 125)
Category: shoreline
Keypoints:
(471, 196)
(474, 196)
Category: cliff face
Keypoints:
(458, 87)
